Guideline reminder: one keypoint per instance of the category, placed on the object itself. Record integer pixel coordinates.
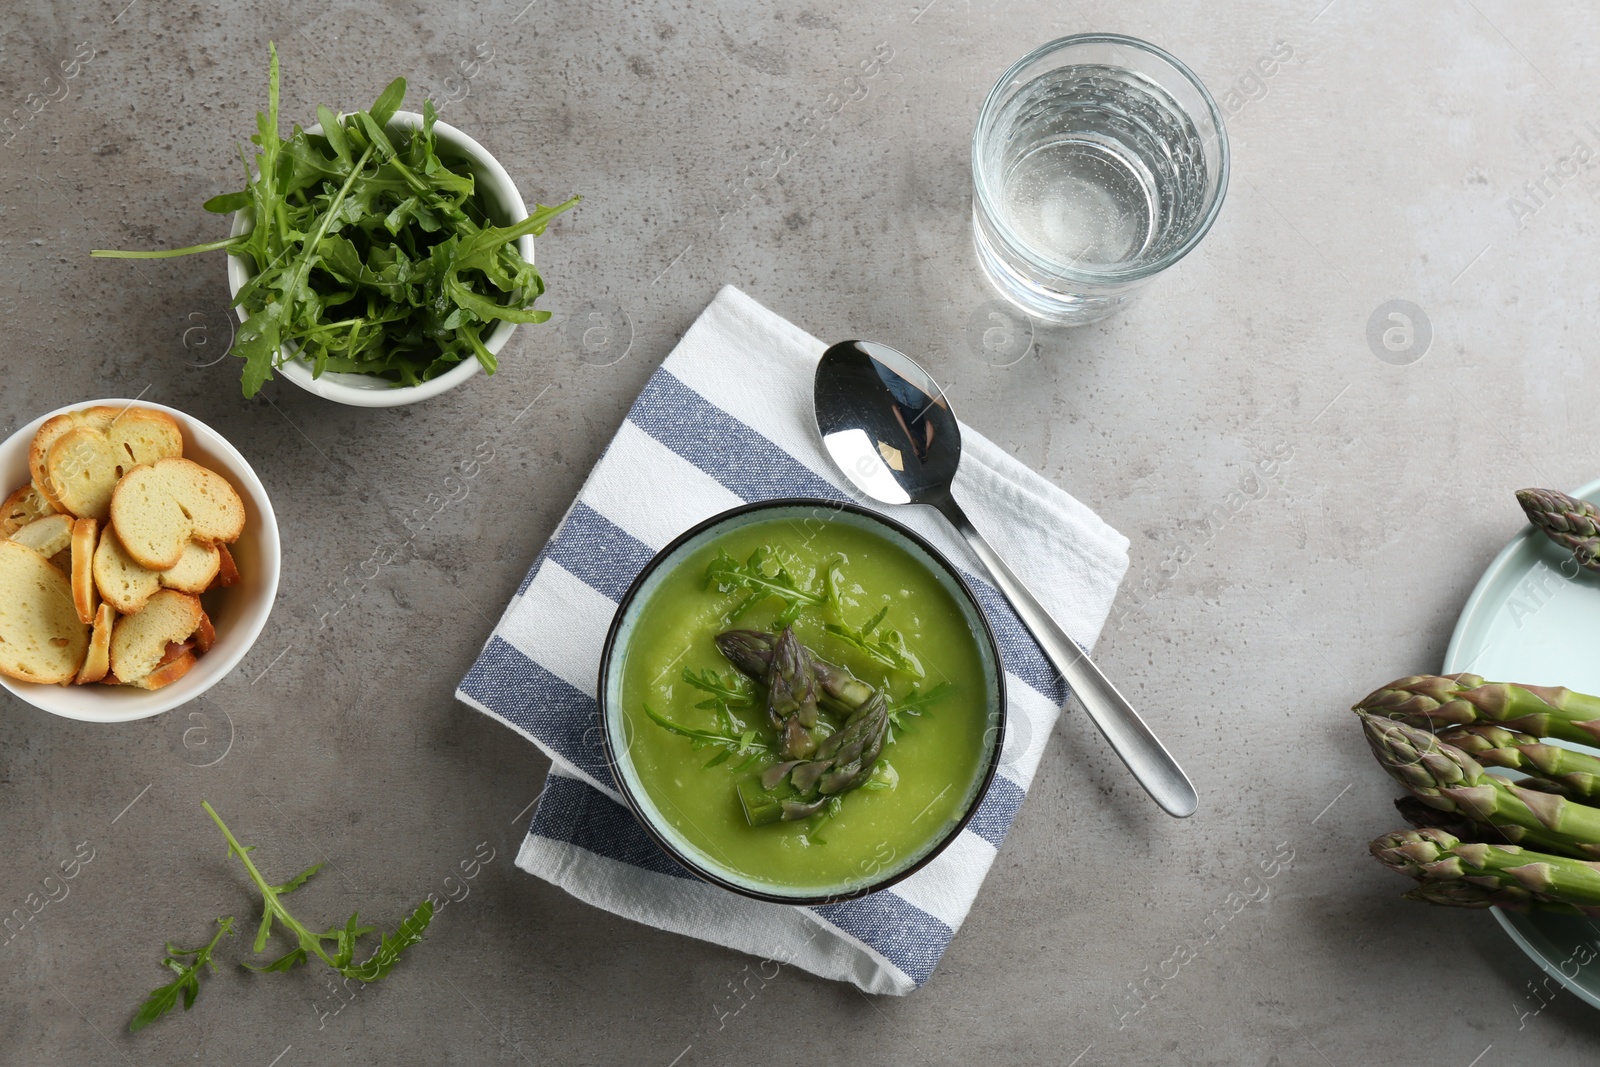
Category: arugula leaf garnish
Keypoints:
(747, 743)
(165, 998)
(915, 703)
(888, 647)
(726, 693)
(760, 577)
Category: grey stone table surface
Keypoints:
(1441, 154)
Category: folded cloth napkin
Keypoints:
(726, 420)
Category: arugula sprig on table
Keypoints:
(343, 939)
(371, 254)
(164, 998)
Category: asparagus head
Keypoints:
(1449, 780)
(1572, 774)
(751, 652)
(1507, 875)
(1436, 701)
(1571, 523)
(792, 696)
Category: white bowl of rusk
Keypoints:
(176, 629)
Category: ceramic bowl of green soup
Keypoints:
(802, 701)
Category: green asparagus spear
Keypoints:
(1572, 774)
(751, 652)
(1434, 701)
(1571, 523)
(1444, 777)
(761, 806)
(1432, 855)
(1425, 817)
(1459, 893)
(842, 763)
(792, 696)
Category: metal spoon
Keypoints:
(888, 426)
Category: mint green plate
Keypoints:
(1532, 620)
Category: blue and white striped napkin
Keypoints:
(725, 420)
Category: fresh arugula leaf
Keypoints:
(888, 647)
(729, 690)
(371, 254)
(310, 944)
(381, 962)
(265, 929)
(226, 204)
(389, 101)
(725, 694)
(746, 743)
(760, 577)
(165, 998)
(915, 703)
(333, 130)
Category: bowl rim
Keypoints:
(986, 637)
(272, 562)
(484, 165)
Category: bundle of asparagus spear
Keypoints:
(1480, 839)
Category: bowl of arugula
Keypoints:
(376, 258)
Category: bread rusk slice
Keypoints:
(97, 663)
(46, 536)
(139, 642)
(84, 464)
(21, 508)
(127, 584)
(195, 569)
(160, 508)
(166, 673)
(41, 636)
(83, 544)
(49, 432)
(228, 572)
(205, 635)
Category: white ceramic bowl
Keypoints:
(505, 207)
(238, 612)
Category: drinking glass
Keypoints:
(1098, 162)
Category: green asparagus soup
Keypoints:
(744, 779)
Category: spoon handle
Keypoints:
(1132, 740)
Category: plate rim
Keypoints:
(1464, 622)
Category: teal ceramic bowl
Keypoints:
(806, 514)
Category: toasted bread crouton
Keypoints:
(127, 584)
(84, 464)
(83, 539)
(139, 642)
(52, 429)
(205, 635)
(167, 673)
(228, 572)
(41, 637)
(195, 569)
(159, 509)
(47, 536)
(21, 508)
(97, 663)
